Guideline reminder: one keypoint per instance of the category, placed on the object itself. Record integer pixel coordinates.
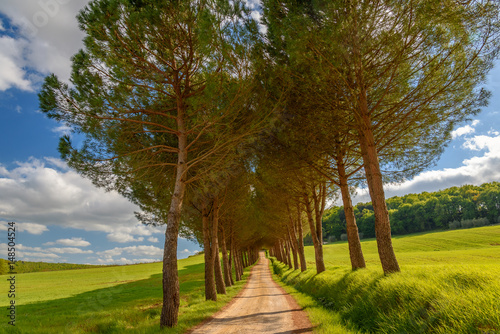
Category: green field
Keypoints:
(449, 283)
(120, 299)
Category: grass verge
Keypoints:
(446, 290)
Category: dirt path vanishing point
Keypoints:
(261, 307)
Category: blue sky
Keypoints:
(62, 217)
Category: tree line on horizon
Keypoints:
(452, 208)
(237, 132)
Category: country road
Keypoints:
(262, 307)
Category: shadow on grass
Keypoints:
(112, 309)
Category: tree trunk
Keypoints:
(376, 189)
(210, 290)
(288, 255)
(300, 240)
(171, 298)
(293, 243)
(219, 280)
(317, 242)
(237, 264)
(231, 254)
(225, 259)
(355, 251)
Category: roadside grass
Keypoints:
(324, 321)
(121, 299)
(449, 283)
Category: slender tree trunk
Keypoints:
(219, 280)
(245, 258)
(302, 256)
(355, 251)
(237, 264)
(231, 254)
(171, 298)
(293, 243)
(210, 289)
(376, 189)
(317, 242)
(225, 259)
(287, 251)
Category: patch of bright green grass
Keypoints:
(121, 299)
(449, 283)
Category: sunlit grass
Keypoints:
(122, 299)
(448, 284)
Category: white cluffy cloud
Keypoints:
(47, 35)
(465, 130)
(476, 171)
(30, 228)
(73, 242)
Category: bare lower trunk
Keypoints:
(225, 258)
(171, 298)
(300, 240)
(355, 252)
(317, 240)
(210, 291)
(237, 264)
(292, 239)
(231, 255)
(219, 280)
(287, 250)
(376, 189)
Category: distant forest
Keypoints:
(456, 207)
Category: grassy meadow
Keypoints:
(449, 283)
(119, 299)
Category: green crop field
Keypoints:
(449, 283)
(120, 299)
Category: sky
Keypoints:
(62, 217)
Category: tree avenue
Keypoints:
(239, 138)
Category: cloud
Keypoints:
(142, 250)
(476, 171)
(73, 242)
(12, 73)
(187, 251)
(493, 132)
(123, 237)
(464, 130)
(30, 228)
(48, 35)
(19, 109)
(62, 130)
(36, 195)
(68, 250)
(152, 239)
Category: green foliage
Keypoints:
(456, 207)
(117, 299)
(4, 266)
(448, 284)
(32, 267)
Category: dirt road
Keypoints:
(262, 307)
